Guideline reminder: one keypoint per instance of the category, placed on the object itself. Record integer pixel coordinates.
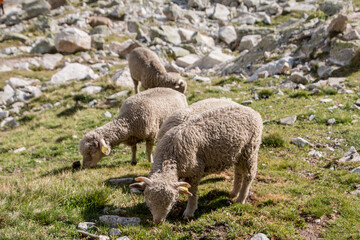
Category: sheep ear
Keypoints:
(146, 180)
(141, 185)
(183, 187)
(179, 84)
(184, 190)
(182, 184)
(105, 148)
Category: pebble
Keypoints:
(107, 114)
(331, 121)
(259, 236)
(299, 142)
(326, 100)
(85, 225)
(114, 232)
(19, 150)
(114, 221)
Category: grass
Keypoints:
(42, 197)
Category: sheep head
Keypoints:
(93, 148)
(160, 195)
(178, 83)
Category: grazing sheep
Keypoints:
(95, 21)
(139, 119)
(145, 67)
(210, 142)
(183, 115)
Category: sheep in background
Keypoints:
(95, 21)
(210, 142)
(139, 119)
(182, 115)
(145, 67)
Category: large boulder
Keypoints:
(72, 71)
(227, 34)
(332, 7)
(221, 12)
(173, 12)
(45, 45)
(57, 3)
(166, 33)
(342, 52)
(72, 40)
(212, 59)
(34, 8)
(122, 78)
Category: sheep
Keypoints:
(140, 118)
(183, 115)
(95, 21)
(210, 142)
(145, 67)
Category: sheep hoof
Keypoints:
(233, 195)
(133, 163)
(187, 215)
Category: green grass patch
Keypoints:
(299, 94)
(273, 140)
(265, 93)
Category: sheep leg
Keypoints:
(136, 85)
(149, 147)
(249, 173)
(192, 203)
(237, 181)
(133, 151)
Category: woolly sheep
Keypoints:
(139, 119)
(95, 21)
(210, 142)
(183, 115)
(145, 67)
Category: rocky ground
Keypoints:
(296, 62)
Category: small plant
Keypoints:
(329, 91)
(273, 140)
(84, 98)
(265, 93)
(299, 94)
(228, 80)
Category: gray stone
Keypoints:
(3, 114)
(312, 117)
(121, 181)
(85, 225)
(26, 93)
(187, 60)
(123, 238)
(221, 12)
(247, 102)
(185, 34)
(191, 16)
(350, 156)
(46, 45)
(92, 90)
(173, 12)
(93, 103)
(71, 40)
(342, 52)
(280, 66)
(352, 34)
(35, 8)
(212, 59)
(19, 150)
(72, 71)
(200, 4)
(124, 48)
(201, 39)
(114, 232)
(249, 41)
(9, 121)
(315, 153)
(115, 221)
(332, 7)
(202, 79)
(166, 33)
(57, 3)
(136, 191)
(10, 51)
(117, 13)
(358, 102)
(288, 120)
(118, 95)
(298, 77)
(178, 52)
(103, 237)
(16, 37)
(122, 78)
(107, 114)
(101, 30)
(326, 100)
(50, 61)
(338, 24)
(227, 34)
(22, 82)
(46, 24)
(300, 142)
(259, 236)
(6, 96)
(356, 170)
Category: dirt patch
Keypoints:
(218, 231)
(311, 232)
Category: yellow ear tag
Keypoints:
(104, 149)
(184, 188)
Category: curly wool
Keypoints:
(207, 143)
(145, 67)
(95, 21)
(139, 119)
(182, 115)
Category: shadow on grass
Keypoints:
(213, 180)
(70, 111)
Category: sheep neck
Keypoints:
(165, 80)
(115, 132)
(168, 171)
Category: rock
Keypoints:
(297, 77)
(312, 117)
(326, 100)
(202, 79)
(121, 181)
(115, 221)
(71, 40)
(259, 236)
(352, 34)
(46, 45)
(85, 225)
(358, 102)
(187, 60)
(252, 3)
(315, 153)
(185, 34)
(227, 34)
(249, 41)
(212, 59)
(124, 48)
(200, 4)
(117, 13)
(34, 8)
(103, 237)
(336, 81)
(178, 52)
(6, 95)
(107, 114)
(342, 52)
(118, 95)
(72, 71)
(166, 33)
(280, 66)
(16, 37)
(136, 191)
(50, 61)
(356, 170)
(19, 150)
(331, 121)
(325, 71)
(3, 114)
(300, 142)
(87, 235)
(173, 12)
(9, 51)
(101, 30)
(22, 82)
(57, 3)
(26, 93)
(45, 24)
(332, 7)
(122, 78)
(9, 121)
(263, 74)
(288, 120)
(93, 103)
(338, 24)
(92, 90)
(191, 16)
(350, 156)
(114, 232)
(201, 39)
(247, 102)
(221, 12)
(123, 238)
